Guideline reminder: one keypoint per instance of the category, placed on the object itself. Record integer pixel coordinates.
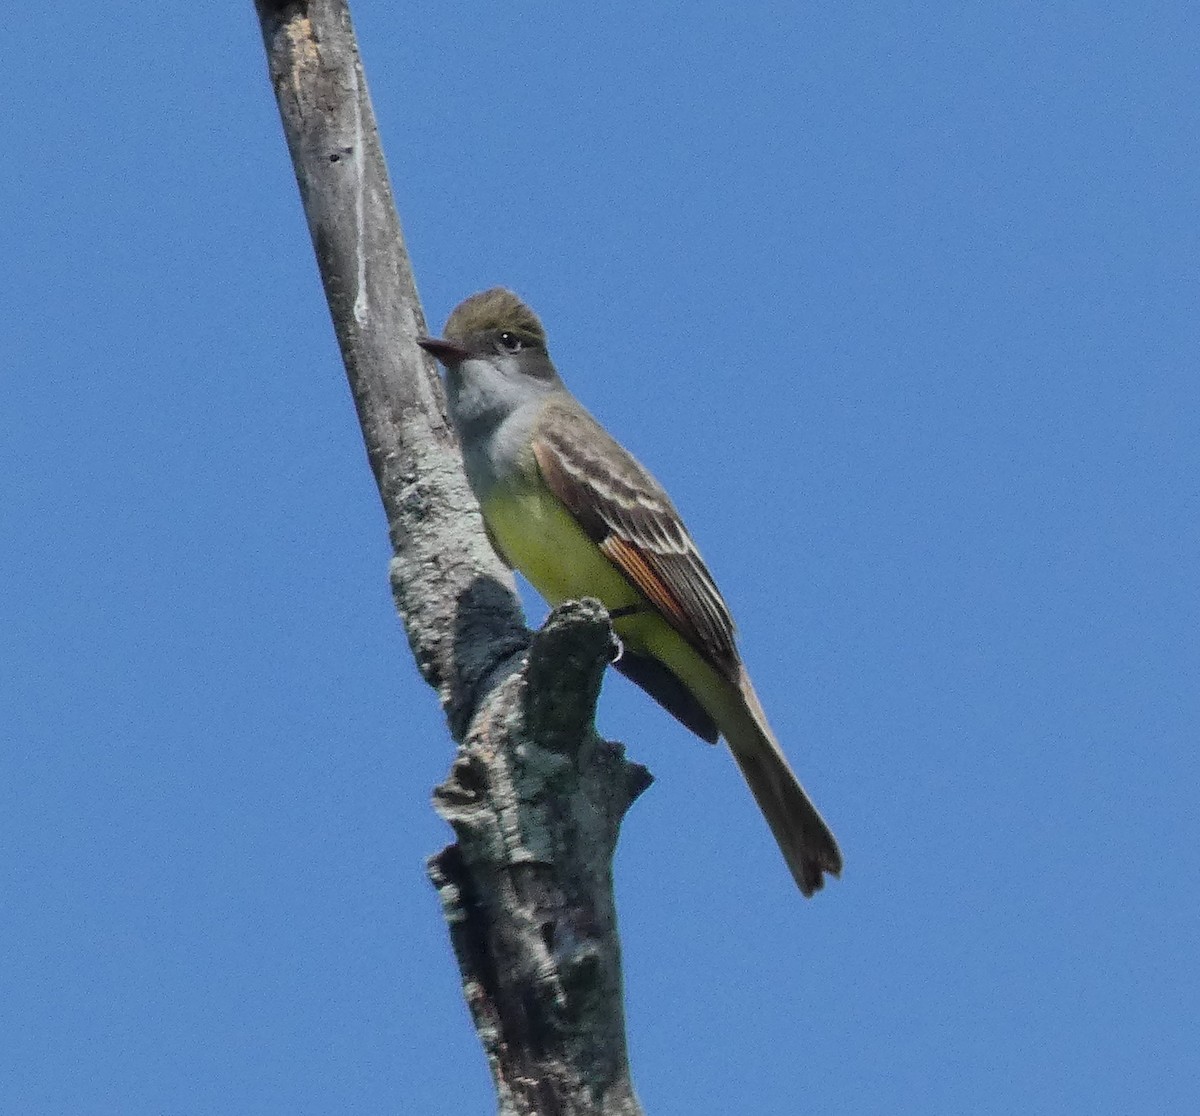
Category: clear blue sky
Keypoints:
(901, 304)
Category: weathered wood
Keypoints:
(534, 797)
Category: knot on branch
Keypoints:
(567, 659)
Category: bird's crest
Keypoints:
(496, 309)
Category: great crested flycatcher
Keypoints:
(579, 517)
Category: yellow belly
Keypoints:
(539, 537)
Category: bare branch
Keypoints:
(535, 798)
(527, 889)
(441, 553)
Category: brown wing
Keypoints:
(629, 515)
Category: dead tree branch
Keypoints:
(534, 797)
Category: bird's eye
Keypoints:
(510, 342)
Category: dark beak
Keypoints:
(446, 351)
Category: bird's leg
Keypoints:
(624, 610)
(618, 613)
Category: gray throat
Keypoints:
(494, 414)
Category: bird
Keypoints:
(565, 504)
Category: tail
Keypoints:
(805, 840)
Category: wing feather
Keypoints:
(631, 518)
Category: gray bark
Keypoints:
(534, 797)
